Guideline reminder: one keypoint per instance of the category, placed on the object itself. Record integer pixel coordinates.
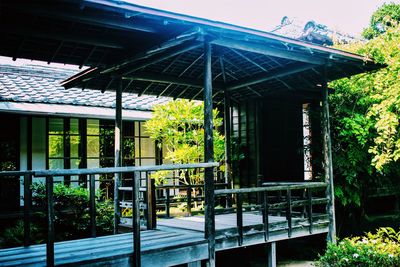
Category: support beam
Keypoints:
(327, 163)
(163, 78)
(227, 128)
(271, 251)
(265, 50)
(177, 43)
(209, 156)
(117, 152)
(277, 73)
(160, 57)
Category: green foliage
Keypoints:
(71, 206)
(365, 120)
(178, 126)
(382, 19)
(14, 236)
(380, 249)
(104, 217)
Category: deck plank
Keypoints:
(176, 241)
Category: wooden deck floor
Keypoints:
(176, 241)
(227, 234)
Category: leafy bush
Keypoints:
(380, 249)
(14, 236)
(72, 217)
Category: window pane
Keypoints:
(93, 144)
(127, 128)
(74, 143)
(147, 148)
(56, 126)
(56, 146)
(137, 154)
(106, 162)
(143, 130)
(128, 162)
(75, 163)
(148, 162)
(93, 163)
(93, 127)
(128, 148)
(74, 126)
(56, 164)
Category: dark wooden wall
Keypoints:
(270, 136)
(281, 156)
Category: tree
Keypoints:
(177, 126)
(382, 19)
(365, 119)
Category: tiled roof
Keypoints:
(41, 84)
(310, 31)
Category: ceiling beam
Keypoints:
(171, 48)
(266, 50)
(160, 57)
(277, 73)
(162, 78)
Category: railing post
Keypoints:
(50, 222)
(92, 205)
(167, 203)
(189, 198)
(151, 214)
(27, 208)
(117, 152)
(310, 210)
(136, 219)
(265, 216)
(289, 211)
(239, 218)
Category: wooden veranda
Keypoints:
(130, 48)
(173, 241)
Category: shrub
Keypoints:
(72, 217)
(380, 249)
(14, 236)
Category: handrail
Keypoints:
(287, 203)
(49, 181)
(169, 167)
(270, 188)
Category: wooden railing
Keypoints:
(49, 181)
(27, 200)
(169, 199)
(278, 202)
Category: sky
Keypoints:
(348, 16)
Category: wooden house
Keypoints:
(265, 82)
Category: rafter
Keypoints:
(268, 51)
(277, 73)
(163, 78)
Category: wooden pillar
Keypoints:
(327, 162)
(117, 152)
(227, 132)
(271, 250)
(209, 156)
